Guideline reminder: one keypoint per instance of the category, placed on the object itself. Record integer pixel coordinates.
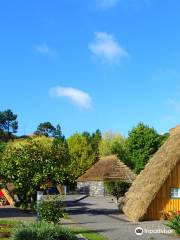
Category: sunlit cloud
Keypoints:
(105, 47)
(76, 96)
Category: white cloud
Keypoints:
(78, 97)
(44, 49)
(107, 48)
(106, 3)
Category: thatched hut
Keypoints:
(108, 168)
(156, 190)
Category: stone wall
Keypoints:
(93, 188)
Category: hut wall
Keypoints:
(92, 188)
(163, 201)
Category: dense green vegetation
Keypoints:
(115, 143)
(8, 125)
(42, 231)
(116, 188)
(174, 223)
(15, 226)
(84, 152)
(31, 161)
(142, 142)
(51, 209)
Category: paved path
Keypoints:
(12, 213)
(101, 215)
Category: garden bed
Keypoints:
(6, 228)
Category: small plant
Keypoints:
(165, 215)
(50, 209)
(174, 223)
(42, 231)
(169, 215)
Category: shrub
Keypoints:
(42, 231)
(116, 188)
(50, 209)
(174, 223)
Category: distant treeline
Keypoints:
(31, 161)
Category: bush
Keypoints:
(174, 223)
(42, 231)
(50, 209)
(116, 188)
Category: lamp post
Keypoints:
(39, 198)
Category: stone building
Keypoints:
(108, 168)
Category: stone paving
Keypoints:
(102, 216)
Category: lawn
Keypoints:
(7, 226)
(89, 234)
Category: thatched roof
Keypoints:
(148, 183)
(108, 168)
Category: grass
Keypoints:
(87, 233)
(8, 228)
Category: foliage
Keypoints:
(84, 152)
(42, 231)
(142, 143)
(116, 188)
(47, 129)
(88, 234)
(114, 143)
(58, 133)
(8, 124)
(94, 140)
(174, 223)
(7, 227)
(163, 138)
(2, 148)
(31, 163)
(50, 209)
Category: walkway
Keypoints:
(101, 215)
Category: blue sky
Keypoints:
(89, 64)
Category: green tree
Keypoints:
(81, 154)
(143, 141)
(2, 148)
(45, 129)
(94, 140)
(116, 188)
(31, 163)
(164, 137)
(58, 133)
(8, 124)
(114, 143)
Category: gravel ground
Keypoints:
(101, 215)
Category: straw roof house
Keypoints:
(108, 168)
(156, 189)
